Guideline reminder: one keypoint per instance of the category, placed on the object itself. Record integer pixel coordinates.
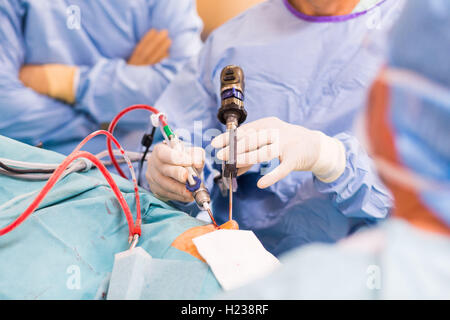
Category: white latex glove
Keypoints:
(167, 174)
(298, 149)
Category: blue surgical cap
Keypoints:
(420, 43)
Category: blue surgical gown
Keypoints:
(310, 73)
(77, 230)
(39, 32)
(392, 261)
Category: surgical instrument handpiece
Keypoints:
(194, 184)
(232, 114)
(232, 86)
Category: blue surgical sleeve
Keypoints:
(26, 115)
(111, 84)
(358, 192)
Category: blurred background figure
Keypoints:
(67, 68)
(216, 12)
(407, 127)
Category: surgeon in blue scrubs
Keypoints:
(67, 67)
(407, 256)
(308, 65)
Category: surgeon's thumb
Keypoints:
(276, 175)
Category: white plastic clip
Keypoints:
(154, 118)
(88, 164)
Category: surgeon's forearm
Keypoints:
(151, 49)
(358, 192)
(111, 84)
(34, 118)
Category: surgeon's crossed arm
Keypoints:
(152, 49)
(58, 80)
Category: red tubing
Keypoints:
(112, 126)
(134, 228)
(110, 138)
(54, 179)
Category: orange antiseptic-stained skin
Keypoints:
(230, 225)
(184, 241)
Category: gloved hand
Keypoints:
(298, 149)
(53, 80)
(152, 48)
(167, 174)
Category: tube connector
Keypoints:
(154, 118)
(201, 196)
(194, 187)
(134, 241)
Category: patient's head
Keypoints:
(408, 119)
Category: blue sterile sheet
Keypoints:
(65, 250)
